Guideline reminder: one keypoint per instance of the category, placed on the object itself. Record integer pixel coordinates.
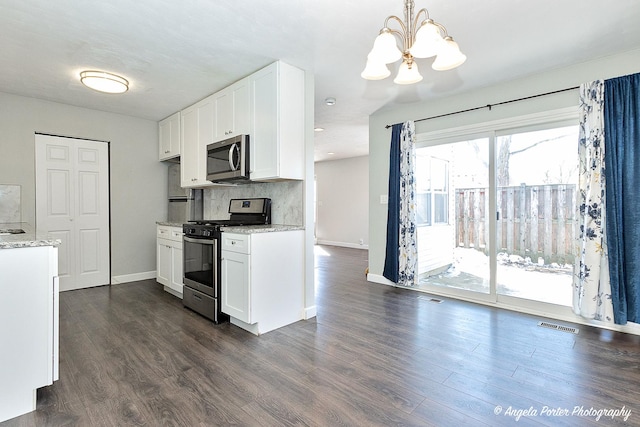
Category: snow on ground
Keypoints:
(516, 277)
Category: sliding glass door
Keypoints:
(496, 215)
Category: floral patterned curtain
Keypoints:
(408, 262)
(591, 285)
(401, 258)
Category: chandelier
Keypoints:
(421, 37)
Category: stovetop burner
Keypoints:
(215, 222)
(242, 212)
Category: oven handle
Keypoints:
(201, 241)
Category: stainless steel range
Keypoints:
(202, 255)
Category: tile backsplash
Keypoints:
(10, 203)
(286, 200)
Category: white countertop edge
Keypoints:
(29, 239)
(170, 224)
(270, 228)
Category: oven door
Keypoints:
(200, 262)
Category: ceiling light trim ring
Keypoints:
(104, 82)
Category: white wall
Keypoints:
(138, 181)
(379, 137)
(343, 202)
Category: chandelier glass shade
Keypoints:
(421, 37)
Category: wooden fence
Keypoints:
(533, 221)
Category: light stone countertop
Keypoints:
(245, 229)
(170, 224)
(250, 229)
(29, 239)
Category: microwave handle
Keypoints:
(233, 166)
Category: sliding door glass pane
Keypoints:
(536, 176)
(452, 183)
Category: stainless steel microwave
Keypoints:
(228, 160)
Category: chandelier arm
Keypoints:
(446, 34)
(399, 21)
(417, 18)
(402, 33)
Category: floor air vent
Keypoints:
(430, 299)
(558, 327)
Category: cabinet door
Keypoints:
(169, 135)
(236, 286)
(232, 110)
(197, 132)
(189, 161)
(264, 129)
(176, 267)
(163, 263)
(224, 114)
(241, 108)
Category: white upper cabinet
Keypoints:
(232, 110)
(169, 136)
(268, 105)
(197, 131)
(277, 123)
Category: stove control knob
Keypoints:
(206, 233)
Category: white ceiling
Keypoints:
(177, 52)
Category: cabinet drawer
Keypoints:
(169, 233)
(235, 242)
(176, 234)
(164, 232)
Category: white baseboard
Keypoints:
(376, 278)
(342, 244)
(310, 312)
(126, 278)
(629, 328)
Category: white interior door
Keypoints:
(72, 204)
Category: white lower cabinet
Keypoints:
(235, 285)
(29, 322)
(169, 259)
(263, 279)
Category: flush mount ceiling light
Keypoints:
(330, 101)
(421, 37)
(104, 82)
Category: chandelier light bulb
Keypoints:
(449, 56)
(408, 74)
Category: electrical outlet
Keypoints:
(384, 199)
(362, 241)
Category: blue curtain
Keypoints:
(391, 261)
(622, 177)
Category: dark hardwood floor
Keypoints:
(375, 355)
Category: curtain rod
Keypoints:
(489, 106)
